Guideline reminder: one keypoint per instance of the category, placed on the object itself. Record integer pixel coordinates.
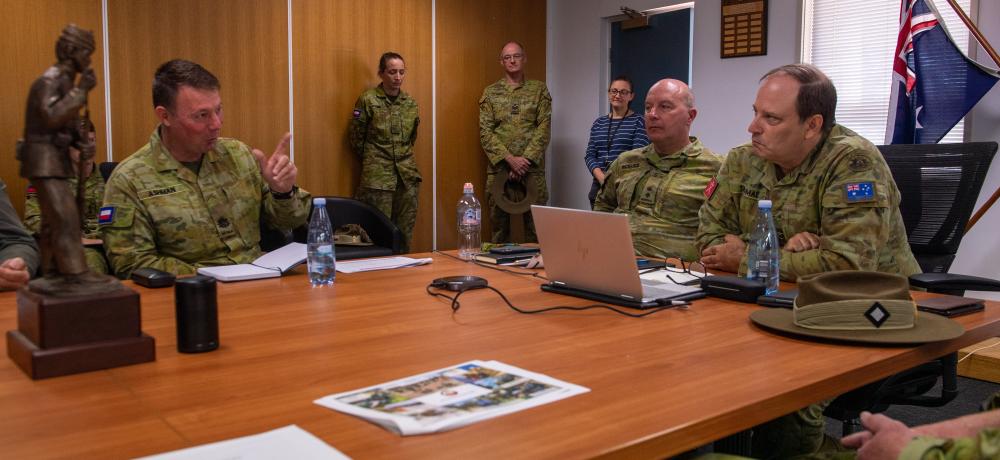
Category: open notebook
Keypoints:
(270, 265)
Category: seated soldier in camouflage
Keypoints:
(967, 437)
(661, 186)
(93, 194)
(189, 198)
(835, 205)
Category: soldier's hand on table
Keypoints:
(13, 273)
(804, 241)
(725, 256)
(278, 170)
(885, 437)
(87, 80)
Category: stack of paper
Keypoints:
(450, 398)
(381, 263)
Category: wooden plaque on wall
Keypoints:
(744, 28)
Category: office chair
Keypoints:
(939, 185)
(106, 168)
(387, 239)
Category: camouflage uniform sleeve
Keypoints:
(32, 213)
(359, 126)
(287, 214)
(130, 237)
(850, 233)
(413, 134)
(607, 198)
(719, 215)
(535, 150)
(495, 150)
(14, 239)
(984, 445)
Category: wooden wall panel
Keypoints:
(336, 47)
(243, 42)
(28, 33)
(469, 38)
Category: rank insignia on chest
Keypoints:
(106, 215)
(515, 109)
(859, 192)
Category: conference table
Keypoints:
(659, 385)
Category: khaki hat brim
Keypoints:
(499, 192)
(927, 328)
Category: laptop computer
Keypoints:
(590, 254)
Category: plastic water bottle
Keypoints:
(469, 223)
(320, 257)
(765, 252)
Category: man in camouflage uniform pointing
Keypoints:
(514, 125)
(190, 198)
(383, 130)
(661, 185)
(835, 204)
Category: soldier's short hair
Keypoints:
(817, 95)
(176, 73)
(383, 61)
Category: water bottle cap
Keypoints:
(319, 201)
(764, 204)
(467, 188)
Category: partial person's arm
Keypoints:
(130, 236)
(719, 215)
(32, 212)
(285, 206)
(495, 150)
(19, 257)
(970, 436)
(535, 150)
(640, 139)
(590, 156)
(358, 131)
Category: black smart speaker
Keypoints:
(197, 314)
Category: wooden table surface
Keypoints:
(659, 385)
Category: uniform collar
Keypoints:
(771, 172)
(678, 158)
(164, 161)
(380, 93)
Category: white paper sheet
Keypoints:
(380, 263)
(282, 443)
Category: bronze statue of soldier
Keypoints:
(52, 124)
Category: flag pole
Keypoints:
(975, 31)
(996, 58)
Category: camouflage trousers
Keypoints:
(798, 433)
(500, 219)
(399, 205)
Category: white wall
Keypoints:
(724, 90)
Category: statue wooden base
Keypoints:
(68, 335)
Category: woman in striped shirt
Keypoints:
(619, 131)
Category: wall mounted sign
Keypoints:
(744, 28)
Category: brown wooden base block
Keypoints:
(41, 363)
(61, 335)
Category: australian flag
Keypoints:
(933, 84)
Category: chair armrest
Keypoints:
(935, 282)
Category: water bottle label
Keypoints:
(325, 249)
(471, 217)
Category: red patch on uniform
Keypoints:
(710, 188)
(31, 189)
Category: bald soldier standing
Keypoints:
(190, 198)
(661, 186)
(514, 125)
